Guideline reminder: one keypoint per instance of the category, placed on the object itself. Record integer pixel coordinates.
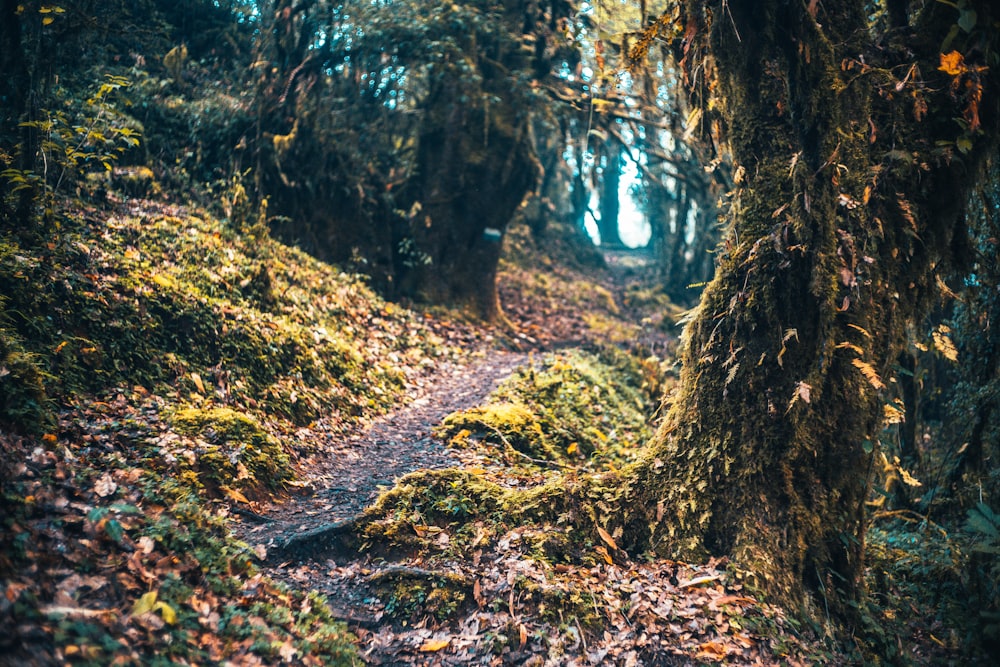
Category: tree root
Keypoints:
(337, 537)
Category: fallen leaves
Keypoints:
(105, 485)
(432, 645)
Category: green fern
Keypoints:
(984, 523)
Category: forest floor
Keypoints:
(228, 408)
(499, 598)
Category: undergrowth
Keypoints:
(160, 365)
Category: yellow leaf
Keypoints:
(944, 344)
(573, 448)
(893, 414)
(607, 538)
(146, 603)
(852, 347)
(860, 330)
(163, 281)
(691, 124)
(952, 63)
(604, 554)
(432, 645)
(698, 581)
(601, 106)
(167, 612)
(48, 20)
(233, 494)
(909, 479)
(198, 383)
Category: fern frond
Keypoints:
(869, 372)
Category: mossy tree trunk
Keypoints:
(475, 167)
(852, 178)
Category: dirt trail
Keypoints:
(352, 470)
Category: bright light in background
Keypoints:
(633, 227)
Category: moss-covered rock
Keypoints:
(576, 409)
(233, 450)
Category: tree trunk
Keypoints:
(14, 83)
(470, 183)
(611, 177)
(845, 213)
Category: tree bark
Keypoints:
(470, 182)
(846, 212)
(611, 177)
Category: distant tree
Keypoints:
(399, 135)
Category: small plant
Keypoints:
(76, 140)
(983, 525)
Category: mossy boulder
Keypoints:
(576, 408)
(233, 451)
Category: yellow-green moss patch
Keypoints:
(232, 450)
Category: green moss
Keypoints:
(150, 301)
(24, 403)
(411, 593)
(577, 409)
(234, 450)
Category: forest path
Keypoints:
(352, 469)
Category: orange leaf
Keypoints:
(712, 650)
(607, 538)
(477, 594)
(604, 553)
(235, 495)
(432, 645)
(952, 63)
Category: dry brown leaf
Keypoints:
(287, 651)
(735, 600)
(105, 486)
(607, 538)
